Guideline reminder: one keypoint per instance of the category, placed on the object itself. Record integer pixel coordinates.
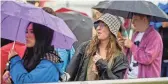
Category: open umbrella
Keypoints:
(17, 15)
(127, 8)
(80, 25)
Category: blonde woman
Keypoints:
(102, 57)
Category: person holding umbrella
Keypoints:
(38, 63)
(100, 58)
(43, 33)
(65, 54)
(146, 49)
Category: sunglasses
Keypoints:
(99, 23)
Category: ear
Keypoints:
(145, 19)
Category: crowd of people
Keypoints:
(107, 56)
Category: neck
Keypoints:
(103, 44)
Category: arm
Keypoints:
(75, 61)
(146, 55)
(44, 72)
(66, 56)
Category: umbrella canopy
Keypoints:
(80, 25)
(65, 10)
(126, 8)
(16, 16)
(164, 7)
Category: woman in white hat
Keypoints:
(102, 57)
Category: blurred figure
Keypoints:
(145, 49)
(163, 30)
(36, 3)
(65, 54)
(96, 15)
(38, 64)
(102, 57)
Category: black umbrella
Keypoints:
(80, 25)
(127, 8)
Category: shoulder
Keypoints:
(154, 33)
(46, 64)
(154, 37)
(65, 50)
(121, 58)
(83, 46)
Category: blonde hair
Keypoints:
(96, 14)
(113, 48)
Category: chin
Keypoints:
(29, 46)
(101, 38)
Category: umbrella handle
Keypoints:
(130, 34)
(13, 46)
(126, 33)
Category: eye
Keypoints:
(31, 31)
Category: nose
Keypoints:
(98, 28)
(27, 35)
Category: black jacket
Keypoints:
(164, 34)
(79, 63)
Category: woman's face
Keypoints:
(30, 37)
(103, 31)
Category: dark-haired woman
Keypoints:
(39, 62)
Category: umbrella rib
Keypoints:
(3, 3)
(4, 19)
(17, 30)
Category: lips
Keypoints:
(98, 32)
(27, 41)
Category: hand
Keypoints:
(6, 77)
(96, 57)
(11, 53)
(94, 69)
(121, 41)
(128, 43)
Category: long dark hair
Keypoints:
(43, 36)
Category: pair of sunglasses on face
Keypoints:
(99, 23)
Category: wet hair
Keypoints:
(142, 16)
(49, 10)
(33, 55)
